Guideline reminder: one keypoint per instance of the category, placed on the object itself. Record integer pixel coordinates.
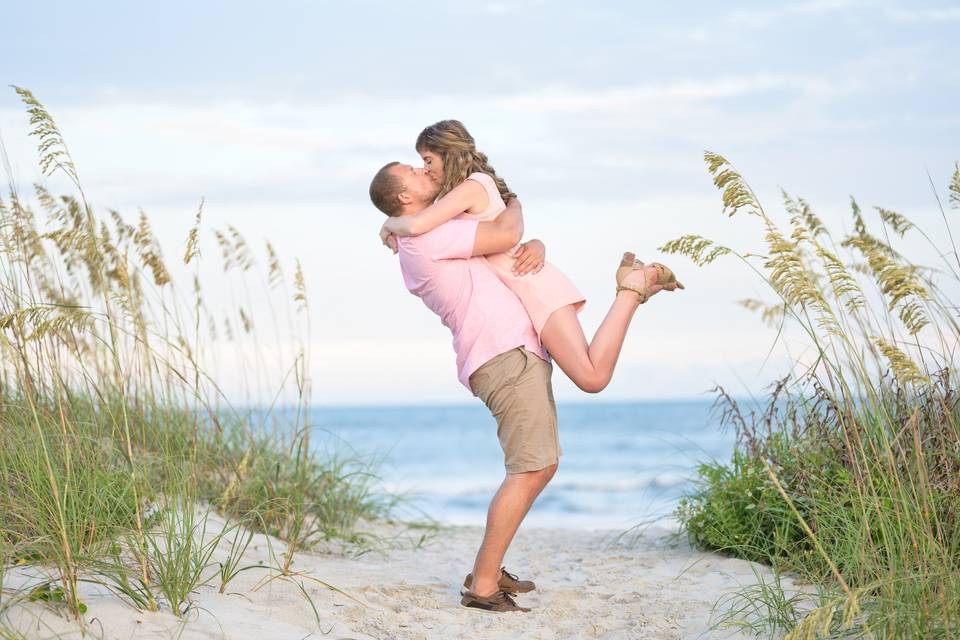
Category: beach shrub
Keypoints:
(847, 475)
(738, 510)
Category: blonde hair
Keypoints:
(450, 140)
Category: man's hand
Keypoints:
(388, 239)
(502, 233)
(529, 258)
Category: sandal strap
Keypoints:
(644, 296)
(665, 275)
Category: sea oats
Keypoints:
(699, 249)
(226, 250)
(242, 253)
(47, 201)
(770, 314)
(905, 369)
(52, 147)
(149, 251)
(800, 210)
(844, 285)
(184, 345)
(69, 372)
(275, 273)
(245, 321)
(24, 244)
(193, 251)
(125, 230)
(821, 621)
(737, 194)
(299, 288)
(897, 222)
(859, 267)
(898, 282)
(788, 273)
(38, 321)
(955, 188)
(859, 227)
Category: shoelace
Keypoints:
(509, 575)
(504, 596)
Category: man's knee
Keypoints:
(539, 477)
(546, 474)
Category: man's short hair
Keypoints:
(384, 189)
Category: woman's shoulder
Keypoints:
(495, 203)
(483, 178)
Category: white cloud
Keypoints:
(764, 17)
(948, 14)
(679, 93)
(758, 18)
(496, 8)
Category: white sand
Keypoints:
(590, 585)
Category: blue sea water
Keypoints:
(623, 463)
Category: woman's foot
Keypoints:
(656, 276)
(666, 277)
(627, 265)
(641, 280)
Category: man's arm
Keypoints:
(502, 233)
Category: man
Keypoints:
(499, 359)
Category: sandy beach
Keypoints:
(591, 584)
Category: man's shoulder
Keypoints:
(452, 239)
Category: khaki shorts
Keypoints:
(516, 388)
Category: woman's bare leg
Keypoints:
(591, 366)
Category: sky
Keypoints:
(596, 114)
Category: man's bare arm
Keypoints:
(500, 234)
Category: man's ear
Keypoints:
(404, 198)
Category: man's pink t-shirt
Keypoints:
(485, 317)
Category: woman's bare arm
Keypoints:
(468, 195)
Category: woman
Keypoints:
(471, 189)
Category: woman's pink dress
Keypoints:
(541, 293)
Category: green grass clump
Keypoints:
(118, 443)
(849, 475)
(738, 510)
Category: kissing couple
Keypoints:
(456, 228)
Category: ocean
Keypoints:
(623, 464)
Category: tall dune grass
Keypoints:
(850, 474)
(116, 439)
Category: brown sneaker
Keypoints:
(507, 582)
(500, 602)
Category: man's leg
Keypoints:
(507, 510)
(516, 388)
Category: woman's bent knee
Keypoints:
(592, 384)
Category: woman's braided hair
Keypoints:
(450, 140)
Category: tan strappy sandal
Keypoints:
(627, 265)
(665, 277)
